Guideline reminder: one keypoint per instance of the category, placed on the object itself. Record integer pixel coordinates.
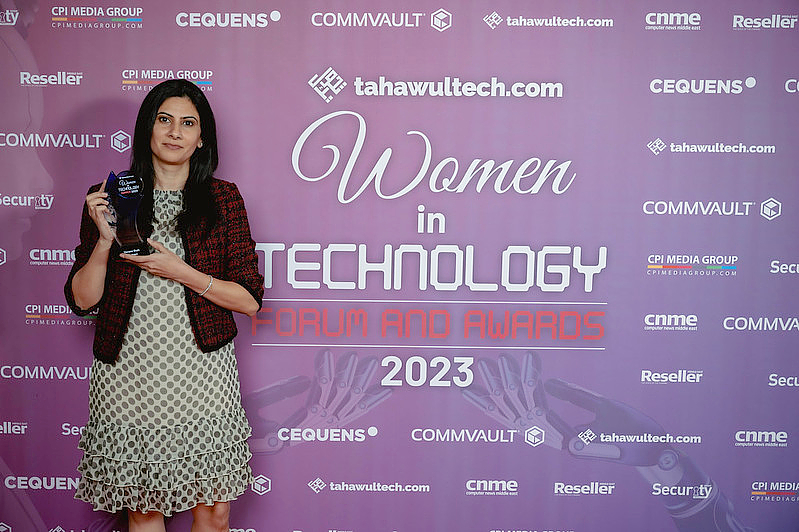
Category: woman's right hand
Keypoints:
(97, 204)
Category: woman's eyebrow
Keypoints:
(169, 115)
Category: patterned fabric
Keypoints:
(166, 429)
(227, 252)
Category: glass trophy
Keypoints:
(125, 193)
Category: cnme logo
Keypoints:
(57, 255)
(761, 438)
(671, 320)
(492, 487)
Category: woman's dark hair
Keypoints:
(198, 204)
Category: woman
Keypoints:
(166, 430)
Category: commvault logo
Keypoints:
(5, 528)
(770, 209)
(120, 141)
(261, 485)
(534, 436)
(441, 20)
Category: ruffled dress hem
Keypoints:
(166, 469)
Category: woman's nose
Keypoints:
(174, 131)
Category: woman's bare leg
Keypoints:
(149, 522)
(211, 518)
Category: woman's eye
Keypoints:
(188, 123)
(163, 119)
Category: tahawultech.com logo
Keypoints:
(493, 20)
(317, 485)
(327, 84)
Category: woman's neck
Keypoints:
(169, 177)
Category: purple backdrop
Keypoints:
(528, 265)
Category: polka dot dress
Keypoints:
(166, 429)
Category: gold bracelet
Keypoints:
(210, 282)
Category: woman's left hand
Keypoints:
(162, 263)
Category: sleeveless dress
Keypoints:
(166, 428)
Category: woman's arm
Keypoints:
(226, 294)
(88, 283)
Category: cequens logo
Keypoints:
(335, 435)
(226, 20)
(701, 86)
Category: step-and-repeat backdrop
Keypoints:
(530, 266)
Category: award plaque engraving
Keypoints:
(125, 193)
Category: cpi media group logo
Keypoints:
(83, 17)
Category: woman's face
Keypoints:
(176, 132)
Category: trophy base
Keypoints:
(136, 249)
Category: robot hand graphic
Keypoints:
(611, 418)
(516, 396)
(339, 393)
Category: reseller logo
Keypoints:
(29, 79)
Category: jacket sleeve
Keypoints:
(241, 260)
(88, 238)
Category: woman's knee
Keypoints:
(141, 518)
(216, 517)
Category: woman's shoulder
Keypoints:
(226, 195)
(220, 187)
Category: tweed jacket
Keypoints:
(226, 252)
